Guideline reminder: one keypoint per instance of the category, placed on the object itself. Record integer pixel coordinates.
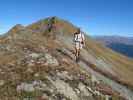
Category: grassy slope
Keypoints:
(122, 65)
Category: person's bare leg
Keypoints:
(77, 54)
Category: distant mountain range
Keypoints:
(120, 44)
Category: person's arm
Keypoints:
(74, 37)
(83, 39)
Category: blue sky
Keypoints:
(96, 17)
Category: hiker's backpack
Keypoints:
(78, 37)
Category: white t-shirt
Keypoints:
(79, 37)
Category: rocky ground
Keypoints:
(45, 75)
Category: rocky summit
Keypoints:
(37, 62)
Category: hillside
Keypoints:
(39, 64)
(123, 45)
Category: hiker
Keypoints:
(51, 29)
(51, 23)
(79, 42)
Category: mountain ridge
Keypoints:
(32, 52)
(117, 39)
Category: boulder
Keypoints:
(50, 60)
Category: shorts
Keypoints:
(78, 45)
